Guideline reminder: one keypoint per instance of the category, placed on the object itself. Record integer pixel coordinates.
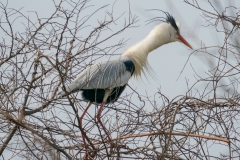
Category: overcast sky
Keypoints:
(167, 61)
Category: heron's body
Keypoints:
(104, 82)
(115, 74)
(95, 79)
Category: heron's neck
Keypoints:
(138, 53)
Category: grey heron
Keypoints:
(104, 82)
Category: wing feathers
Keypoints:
(106, 75)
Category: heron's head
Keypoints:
(169, 30)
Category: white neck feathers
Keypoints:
(138, 53)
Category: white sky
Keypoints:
(168, 60)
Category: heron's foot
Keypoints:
(88, 154)
(87, 157)
(122, 146)
(117, 146)
(86, 147)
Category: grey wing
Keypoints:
(106, 75)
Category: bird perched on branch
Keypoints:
(104, 82)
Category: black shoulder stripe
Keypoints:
(130, 66)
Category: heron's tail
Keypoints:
(61, 94)
(69, 91)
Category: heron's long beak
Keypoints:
(184, 41)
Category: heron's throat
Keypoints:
(138, 53)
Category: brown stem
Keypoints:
(5, 143)
(170, 133)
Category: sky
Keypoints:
(167, 61)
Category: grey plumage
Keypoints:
(104, 75)
(104, 82)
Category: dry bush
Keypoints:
(37, 62)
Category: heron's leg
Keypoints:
(80, 125)
(107, 92)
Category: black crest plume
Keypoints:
(169, 19)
